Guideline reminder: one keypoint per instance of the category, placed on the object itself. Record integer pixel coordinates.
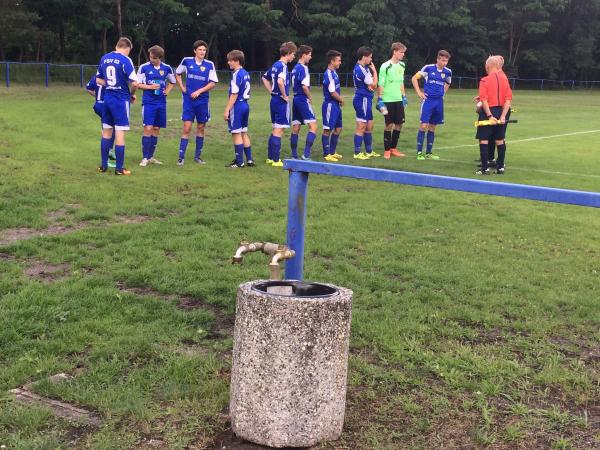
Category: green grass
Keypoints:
(475, 320)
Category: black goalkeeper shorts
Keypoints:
(395, 113)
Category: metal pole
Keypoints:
(7, 74)
(81, 75)
(47, 74)
(298, 189)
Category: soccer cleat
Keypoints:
(373, 155)
(180, 162)
(268, 161)
(337, 155)
(387, 154)
(277, 163)
(111, 164)
(102, 169)
(395, 152)
(360, 155)
(305, 158)
(250, 163)
(500, 170)
(235, 165)
(331, 158)
(431, 156)
(153, 160)
(420, 156)
(122, 171)
(483, 172)
(199, 161)
(144, 162)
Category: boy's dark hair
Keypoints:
(287, 48)
(444, 54)
(157, 52)
(397, 46)
(363, 51)
(331, 55)
(303, 50)
(236, 55)
(124, 42)
(200, 43)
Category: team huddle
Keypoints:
(116, 82)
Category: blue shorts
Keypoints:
(432, 111)
(302, 112)
(195, 109)
(115, 113)
(154, 115)
(363, 106)
(280, 112)
(238, 118)
(98, 108)
(332, 116)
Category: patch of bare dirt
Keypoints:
(229, 441)
(46, 272)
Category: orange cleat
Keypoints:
(386, 154)
(395, 152)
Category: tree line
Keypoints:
(556, 39)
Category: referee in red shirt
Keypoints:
(496, 96)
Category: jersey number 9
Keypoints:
(111, 75)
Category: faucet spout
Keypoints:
(277, 252)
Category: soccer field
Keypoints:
(475, 320)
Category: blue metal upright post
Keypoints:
(81, 75)
(47, 74)
(7, 74)
(298, 189)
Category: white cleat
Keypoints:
(144, 162)
(153, 160)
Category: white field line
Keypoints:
(538, 138)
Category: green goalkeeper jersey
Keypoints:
(391, 78)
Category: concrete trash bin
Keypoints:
(290, 363)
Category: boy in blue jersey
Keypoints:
(115, 72)
(332, 107)
(365, 83)
(437, 78)
(302, 111)
(237, 110)
(157, 80)
(97, 91)
(277, 82)
(200, 77)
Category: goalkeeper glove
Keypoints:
(380, 106)
(404, 101)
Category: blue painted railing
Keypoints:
(298, 189)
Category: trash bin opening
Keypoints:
(299, 288)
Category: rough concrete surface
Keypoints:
(290, 363)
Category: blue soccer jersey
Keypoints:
(240, 84)
(331, 84)
(300, 77)
(117, 71)
(197, 75)
(150, 74)
(97, 88)
(435, 80)
(363, 78)
(278, 71)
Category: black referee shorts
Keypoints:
(395, 112)
(492, 132)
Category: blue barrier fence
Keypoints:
(47, 74)
(298, 189)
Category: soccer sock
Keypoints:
(105, 146)
(483, 153)
(491, 150)
(387, 140)
(248, 152)
(154, 143)
(358, 140)
(395, 137)
(276, 148)
(420, 139)
(120, 155)
(199, 145)
(501, 154)
(270, 148)
(333, 143)
(310, 139)
(294, 145)
(368, 142)
(182, 147)
(146, 143)
(239, 154)
(325, 142)
(430, 139)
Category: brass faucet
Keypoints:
(277, 252)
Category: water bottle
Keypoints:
(381, 107)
